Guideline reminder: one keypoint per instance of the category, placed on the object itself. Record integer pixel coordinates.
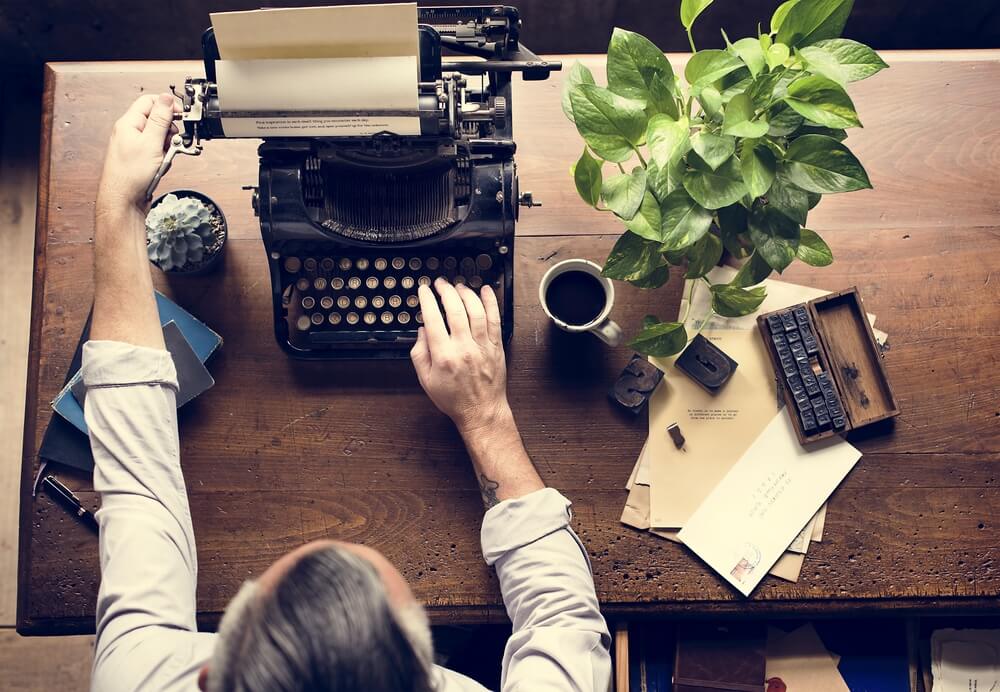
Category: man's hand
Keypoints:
(463, 372)
(135, 152)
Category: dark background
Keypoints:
(32, 32)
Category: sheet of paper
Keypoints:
(753, 514)
(800, 544)
(820, 524)
(965, 660)
(348, 31)
(640, 472)
(801, 661)
(717, 428)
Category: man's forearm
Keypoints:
(503, 468)
(124, 306)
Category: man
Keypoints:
(329, 615)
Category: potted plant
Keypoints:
(185, 233)
(733, 162)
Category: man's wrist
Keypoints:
(490, 422)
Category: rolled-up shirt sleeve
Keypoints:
(560, 640)
(146, 630)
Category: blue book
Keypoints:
(202, 340)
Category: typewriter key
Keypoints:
(345, 264)
(398, 263)
(361, 302)
(468, 265)
(310, 264)
(386, 317)
(352, 318)
(326, 302)
(484, 262)
(372, 282)
(308, 302)
(476, 281)
(302, 284)
(370, 318)
(459, 279)
(412, 301)
(404, 318)
(395, 301)
(317, 318)
(381, 264)
(334, 318)
(327, 264)
(343, 302)
(354, 283)
(336, 283)
(419, 318)
(362, 264)
(432, 264)
(415, 264)
(302, 323)
(424, 281)
(319, 284)
(292, 265)
(450, 263)
(406, 283)
(389, 282)
(378, 302)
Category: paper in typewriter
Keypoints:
(303, 61)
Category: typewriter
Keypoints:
(353, 225)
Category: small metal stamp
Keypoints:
(706, 364)
(635, 384)
(674, 431)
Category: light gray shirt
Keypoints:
(147, 638)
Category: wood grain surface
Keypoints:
(280, 452)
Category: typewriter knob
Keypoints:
(526, 199)
(499, 111)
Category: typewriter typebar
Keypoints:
(353, 225)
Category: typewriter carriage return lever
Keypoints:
(353, 224)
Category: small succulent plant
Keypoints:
(179, 230)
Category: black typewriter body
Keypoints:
(353, 225)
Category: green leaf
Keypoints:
(633, 63)
(775, 236)
(708, 66)
(776, 55)
(714, 150)
(783, 121)
(703, 255)
(753, 271)
(660, 339)
(610, 124)
(668, 139)
(822, 101)
(788, 199)
(683, 221)
(770, 86)
(646, 223)
(711, 102)
(779, 15)
(655, 279)
(733, 301)
(735, 234)
(809, 21)
(713, 189)
(857, 60)
(839, 135)
(740, 120)
(632, 258)
(623, 193)
(812, 250)
(587, 176)
(742, 83)
(822, 164)
(577, 74)
(690, 9)
(662, 180)
(758, 166)
(823, 63)
(662, 97)
(750, 51)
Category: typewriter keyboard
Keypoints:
(350, 298)
(818, 406)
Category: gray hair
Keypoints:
(327, 625)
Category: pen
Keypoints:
(70, 501)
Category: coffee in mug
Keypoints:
(578, 299)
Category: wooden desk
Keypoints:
(281, 452)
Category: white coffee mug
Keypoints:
(601, 326)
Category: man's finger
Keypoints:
(420, 354)
(492, 308)
(136, 115)
(161, 117)
(454, 309)
(437, 333)
(476, 312)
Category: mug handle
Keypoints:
(609, 332)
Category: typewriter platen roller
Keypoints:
(352, 225)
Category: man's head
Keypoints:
(326, 616)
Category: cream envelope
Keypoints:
(802, 662)
(717, 428)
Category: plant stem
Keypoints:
(621, 168)
(639, 154)
(690, 297)
(711, 313)
(691, 41)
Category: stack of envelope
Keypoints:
(740, 481)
